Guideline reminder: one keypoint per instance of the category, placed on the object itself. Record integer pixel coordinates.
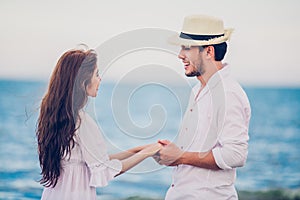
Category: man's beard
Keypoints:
(197, 72)
(193, 73)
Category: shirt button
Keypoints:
(191, 110)
(172, 185)
(181, 147)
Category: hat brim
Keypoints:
(176, 40)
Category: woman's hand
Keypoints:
(151, 149)
(139, 148)
(130, 152)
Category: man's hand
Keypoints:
(169, 155)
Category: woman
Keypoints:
(72, 152)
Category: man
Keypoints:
(213, 139)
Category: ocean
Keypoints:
(130, 116)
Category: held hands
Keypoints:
(136, 155)
(169, 155)
(151, 149)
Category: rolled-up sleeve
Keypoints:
(232, 148)
(94, 153)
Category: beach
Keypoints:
(276, 194)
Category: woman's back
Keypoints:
(88, 166)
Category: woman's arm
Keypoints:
(135, 159)
(126, 154)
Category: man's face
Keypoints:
(192, 60)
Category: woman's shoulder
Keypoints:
(83, 115)
(86, 121)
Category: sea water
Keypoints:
(129, 116)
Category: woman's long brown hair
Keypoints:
(59, 117)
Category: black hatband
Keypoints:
(198, 37)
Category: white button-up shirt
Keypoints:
(216, 119)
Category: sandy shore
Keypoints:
(272, 194)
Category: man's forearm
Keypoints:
(204, 160)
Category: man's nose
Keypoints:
(181, 55)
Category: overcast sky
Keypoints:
(263, 49)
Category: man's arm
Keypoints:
(171, 155)
(203, 160)
(232, 148)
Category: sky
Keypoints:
(263, 49)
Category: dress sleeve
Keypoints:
(95, 154)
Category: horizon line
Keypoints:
(112, 81)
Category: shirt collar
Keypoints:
(214, 80)
(218, 76)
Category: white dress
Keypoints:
(88, 166)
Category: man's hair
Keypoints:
(220, 50)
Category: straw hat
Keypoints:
(199, 30)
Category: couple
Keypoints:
(212, 143)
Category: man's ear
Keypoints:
(210, 51)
